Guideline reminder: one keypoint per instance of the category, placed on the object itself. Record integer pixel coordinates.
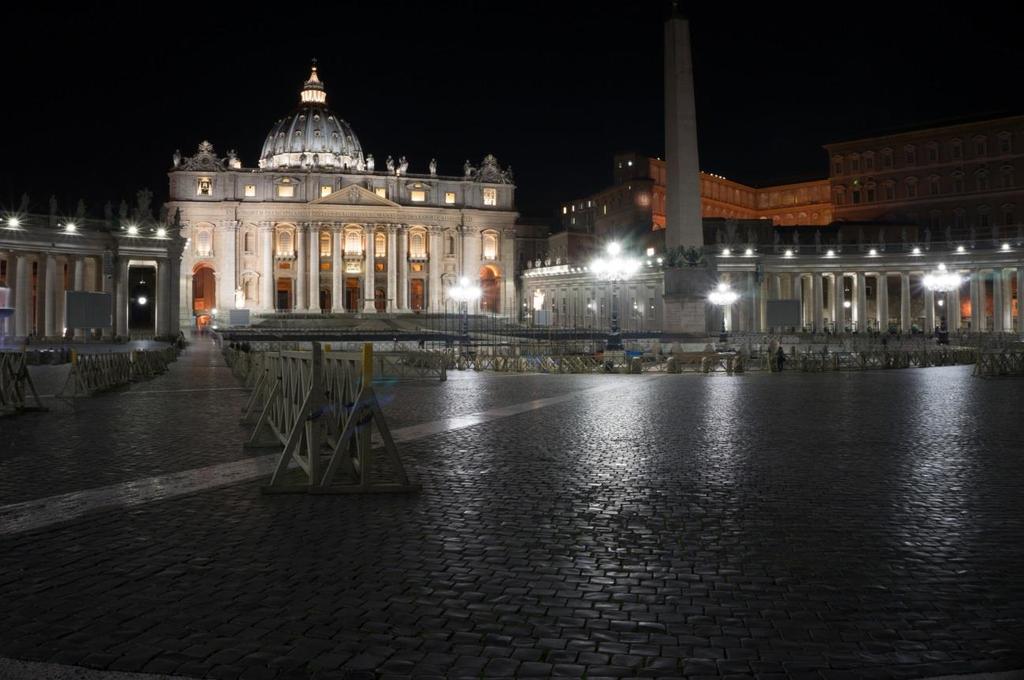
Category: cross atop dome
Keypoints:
(313, 90)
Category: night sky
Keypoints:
(97, 100)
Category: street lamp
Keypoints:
(943, 281)
(723, 296)
(614, 268)
(464, 294)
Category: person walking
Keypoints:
(780, 358)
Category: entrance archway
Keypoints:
(204, 292)
(284, 294)
(417, 295)
(490, 290)
(325, 300)
(380, 299)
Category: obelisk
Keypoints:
(683, 225)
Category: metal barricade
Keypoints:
(16, 388)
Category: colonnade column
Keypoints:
(392, 296)
(817, 302)
(337, 271)
(905, 322)
(121, 297)
(776, 286)
(7, 326)
(929, 310)
(882, 302)
(1006, 280)
(860, 305)
(796, 285)
(174, 304)
(755, 302)
(368, 287)
(267, 275)
(314, 268)
(299, 287)
(953, 310)
(838, 311)
(22, 296)
(977, 293)
(163, 298)
(50, 329)
(997, 300)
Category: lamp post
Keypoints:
(723, 296)
(464, 294)
(943, 281)
(613, 269)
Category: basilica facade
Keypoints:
(318, 226)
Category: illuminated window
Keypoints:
(449, 197)
(204, 243)
(417, 195)
(380, 245)
(565, 210)
(326, 190)
(353, 242)
(325, 244)
(490, 196)
(286, 189)
(417, 245)
(204, 186)
(381, 191)
(605, 208)
(285, 247)
(250, 190)
(490, 246)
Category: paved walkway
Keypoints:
(819, 526)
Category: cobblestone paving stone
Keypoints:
(803, 526)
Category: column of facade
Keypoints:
(22, 295)
(756, 298)
(882, 302)
(108, 267)
(997, 301)
(163, 298)
(905, 321)
(797, 293)
(436, 260)
(838, 311)
(227, 255)
(403, 268)
(7, 325)
(337, 270)
(776, 286)
(368, 274)
(1006, 279)
(121, 297)
(314, 268)
(392, 294)
(267, 269)
(78, 284)
(929, 310)
(38, 323)
(299, 281)
(817, 302)
(58, 294)
(953, 310)
(860, 305)
(173, 276)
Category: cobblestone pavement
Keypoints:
(797, 525)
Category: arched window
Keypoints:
(325, 244)
(380, 245)
(451, 244)
(353, 242)
(981, 179)
(490, 246)
(249, 243)
(204, 243)
(417, 246)
(285, 247)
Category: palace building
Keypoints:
(319, 225)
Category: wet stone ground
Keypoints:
(806, 526)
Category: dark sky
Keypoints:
(97, 99)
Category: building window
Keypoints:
(840, 196)
(604, 209)
(889, 190)
(869, 161)
(250, 190)
(417, 245)
(911, 187)
(934, 186)
(204, 243)
(490, 246)
(286, 190)
(934, 219)
(981, 180)
(1008, 215)
(381, 191)
(380, 245)
(870, 196)
(959, 218)
(980, 146)
(1006, 177)
(933, 153)
(417, 196)
(451, 244)
(449, 198)
(325, 244)
(956, 149)
(983, 217)
(285, 245)
(204, 186)
(353, 242)
(958, 182)
(855, 195)
(565, 209)
(855, 163)
(837, 165)
(326, 190)
(249, 242)
(1005, 143)
(490, 196)
(910, 155)
(887, 159)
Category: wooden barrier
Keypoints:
(993, 364)
(94, 373)
(16, 388)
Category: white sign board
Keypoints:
(87, 310)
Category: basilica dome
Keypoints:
(312, 136)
